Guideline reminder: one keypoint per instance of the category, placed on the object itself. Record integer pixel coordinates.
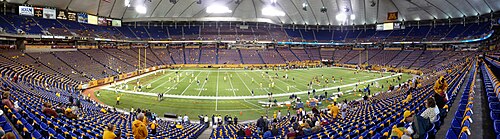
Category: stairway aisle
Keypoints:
(481, 116)
(206, 134)
(441, 134)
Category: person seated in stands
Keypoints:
(109, 133)
(47, 110)
(9, 135)
(408, 97)
(440, 95)
(179, 126)
(153, 127)
(7, 102)
(69, 113)
(248, 132)
(306, 128)
(291, 133)
(139, 128)
(432, 111)
(316, 128)
(414, 126)
(2, 132)
(267, 134)
(103, 110)
(241, 133)
(400, 131)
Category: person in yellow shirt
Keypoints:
(58, 94)
(179, 126)
(153, 127)
(118, 99)
(334, 110)
(109, 133)
(139, 129)
(408, 98)
(103, 110)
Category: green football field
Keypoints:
(228, 91)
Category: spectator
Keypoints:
(267, 134)
(69, 113)
(2, 132)
(109, 133)
(9, 135)
(139, 128)
(440, 88)
(6, 101)
(241, 133)
(154, 126)
(205, 119)
(235, 120)
(47, 110)
(179, 126)
(431, 112)
(291, 133)
(186, 119)
(334, 110)
(274, 131)
(261, 123)
(248, 132)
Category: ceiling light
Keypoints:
(127, 3)
(353, 17)
(218, 9)
(271, 11)
(341, 17)
(141, 9)
(304, 6)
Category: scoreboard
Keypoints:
(390, 26)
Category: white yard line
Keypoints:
(249, 91)
(270, 88)
(190, 83)
(160, 84)
(217, 97)
(203, 85)
(286, 83)
(176, 84)
(252, 104)
(232, 88)
(217, 90)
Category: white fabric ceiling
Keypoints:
(250, 10)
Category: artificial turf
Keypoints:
(238, 82)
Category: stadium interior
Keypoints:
(250, 69)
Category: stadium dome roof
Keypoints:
(364, 11)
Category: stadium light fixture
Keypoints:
(127, 3)
(141, 9)
(341, 17)
(271, 11)
(218, 9)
